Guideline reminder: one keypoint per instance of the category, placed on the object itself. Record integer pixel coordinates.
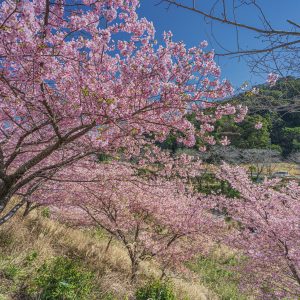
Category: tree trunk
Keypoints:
(11, 213)
(294, 272)
(163, 274)
(134, 269)
(27, 209)
(30, 207)
(4, 198)
(108, 244)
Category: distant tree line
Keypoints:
(273, 108)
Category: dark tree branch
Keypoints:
(231, 22)
(12, 212)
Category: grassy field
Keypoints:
(26, 245)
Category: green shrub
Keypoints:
(103, 157)
(220, 276)
(209, 184)
(155, 290)
(109, 297)
(12, 271)
(62, 279)
(31, 256)
(46, 212)
(98, 234)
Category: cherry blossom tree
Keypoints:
(79, 77)
(157, 214)
(267, 230)
(153, 217)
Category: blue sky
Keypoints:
(192, 29)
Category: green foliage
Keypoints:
(32, 256)
(12, 271)
(103, 157)
(170, 143)
(110, 297)
(244, 135)
(217, 273)
(292, 138)
(155, 290)
(275, 147)
(209, 184)
(280, 100)
(144, 172)
(46, 212)
(273, 106)
(253, 138)
(62, 279)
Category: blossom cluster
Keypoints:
(272, 79)
(151, 216)
(267, 229)
(79, 79)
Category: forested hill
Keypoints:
(277, 108)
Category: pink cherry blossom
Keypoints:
(72, 86)
(142, 212)
(265, 227)
(258, 125)
(272, 79)
(225, 141)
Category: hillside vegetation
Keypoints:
(37, 249)
(277, 108)
(122, 163)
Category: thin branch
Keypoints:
(230, 22)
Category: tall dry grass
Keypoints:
(48, 238)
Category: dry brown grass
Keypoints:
(268, 169)
(49, 239)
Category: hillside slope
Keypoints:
(26, 244)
